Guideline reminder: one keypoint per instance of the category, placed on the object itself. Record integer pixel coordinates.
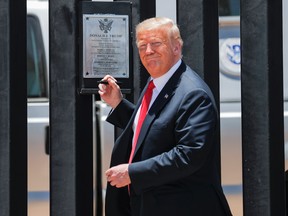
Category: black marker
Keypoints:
(106, 82)
(103, 82)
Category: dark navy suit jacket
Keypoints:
(175, 167)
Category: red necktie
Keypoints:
(143, 110)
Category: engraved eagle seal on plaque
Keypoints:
(105, 25)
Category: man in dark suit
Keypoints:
(173, 169)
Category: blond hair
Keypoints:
(160, 22)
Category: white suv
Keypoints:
(38, 107)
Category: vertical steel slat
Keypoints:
(262, 107)
(198, 22)
(71, 135)
(13, 109)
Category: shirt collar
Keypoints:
(160, 82)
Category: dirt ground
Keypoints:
(38, 209)
(236, 204)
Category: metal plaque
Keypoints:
(105, 45)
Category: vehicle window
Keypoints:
(36, 63)
(229, 7)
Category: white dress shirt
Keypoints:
(159, 83)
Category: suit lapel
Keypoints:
(164, 96)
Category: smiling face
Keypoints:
(158, 49)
